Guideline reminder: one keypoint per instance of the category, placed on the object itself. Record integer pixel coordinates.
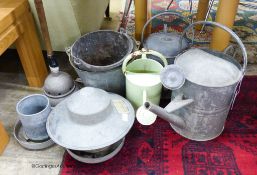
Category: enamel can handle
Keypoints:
(143, 54)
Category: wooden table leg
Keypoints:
(225, 15)
(201, 12)
(4, 138)
(140, 17)
(30, 52)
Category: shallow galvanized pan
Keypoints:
(23, 140)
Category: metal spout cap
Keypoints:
(58, 84)
(172, 77)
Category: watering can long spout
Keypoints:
(166, 113)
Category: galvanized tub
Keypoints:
(198, 112)
(97, 59)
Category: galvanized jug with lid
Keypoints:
(200, 106)
(165, 42)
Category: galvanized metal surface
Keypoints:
(90, 119)
(201, 125)
(97, 157)
(20, 136)
(33, 111)
(204, 118)
(111, 81)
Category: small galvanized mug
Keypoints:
(33, 111)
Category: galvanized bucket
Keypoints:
(33, 111)
(197, 111)
(137, 68)
(97, 59)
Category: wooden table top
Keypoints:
(10, 11)
(12, 3)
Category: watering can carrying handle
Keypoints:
(143, 53)
(155, 16)
(240, 43)
(233, 34)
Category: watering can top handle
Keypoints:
(161, 14)
(142, 52)
(233, 34)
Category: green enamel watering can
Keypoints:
(143, 76)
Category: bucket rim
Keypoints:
(231, 60)
(90, 67)
(29, 96)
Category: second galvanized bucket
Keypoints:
(97, 59)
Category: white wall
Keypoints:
(68, 19)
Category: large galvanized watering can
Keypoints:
(165, 42)
(200, 107)
(143, 77)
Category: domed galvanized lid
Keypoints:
(58, 84)
(89, 106)
(90, 119)
(166, 43)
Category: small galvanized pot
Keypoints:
(33, 111)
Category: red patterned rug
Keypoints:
(157, 149)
